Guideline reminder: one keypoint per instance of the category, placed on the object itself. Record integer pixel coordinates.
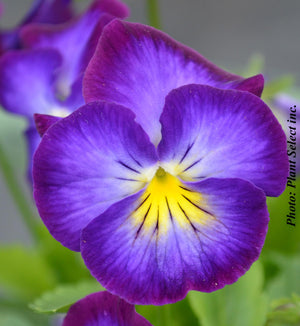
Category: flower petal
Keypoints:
(75, 41)
(46, 12)
(32, 141)
(86, 162)
(181, 245)
(103, 308)
(137, 66)
(49, 12)
(209, 132)
(27, 81)
(44, 121)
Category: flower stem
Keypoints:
(153, 13)
(21, 201)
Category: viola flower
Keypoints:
(46, 77)
(103, 308)
(46, 12)
(154, 222)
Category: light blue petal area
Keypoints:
(103, 309)
(137, 66)
(86, 162)
(159, 260)
(27, 81)
(209, 132)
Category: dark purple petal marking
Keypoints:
(129, 167)
(137, 66)
(209, 132)
(85, 163)
(103, 309)
(155, 246)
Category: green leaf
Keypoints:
(282, 237)
(13, 141)
(24, 272)
(241, 303)
(67, 265)
(285, 311)
(286, 282)
(177, 314)
(59, 299)
(16, 313)
(13, 319)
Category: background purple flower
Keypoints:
(46, 12)
(46, 77)
(101, 309)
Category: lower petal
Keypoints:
(202, 241)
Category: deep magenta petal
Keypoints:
(209, 132)
(43, 122)
(137, 66)
(103, 309)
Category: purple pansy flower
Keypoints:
(47, 76)
(41, 11)
(153, 222)
(103, 308)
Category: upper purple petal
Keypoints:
(209, 132)
(86, 162)
(137, 66)
(103, 309)
(152, 250)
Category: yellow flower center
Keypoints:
(167, 201)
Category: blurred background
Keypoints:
(226, 32)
